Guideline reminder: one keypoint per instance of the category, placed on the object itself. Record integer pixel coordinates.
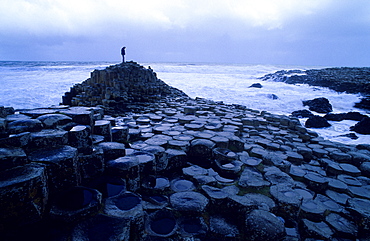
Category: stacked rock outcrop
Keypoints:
(120, 88)
(179, 170)
(345, 79)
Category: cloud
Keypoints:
(264, 31)
(45, 17)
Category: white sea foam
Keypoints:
(40, 84)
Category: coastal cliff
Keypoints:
(164, 166)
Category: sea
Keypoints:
(33, 84)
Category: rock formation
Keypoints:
(180, 169)
(120, 88)
(350, 80)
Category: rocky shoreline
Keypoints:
(344, 79)
(129, 158)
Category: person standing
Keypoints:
(123, 52)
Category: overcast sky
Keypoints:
(296, 32)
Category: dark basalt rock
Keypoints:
(222, 228)
(152, 185)
(53, 120)
(317, 122)
(320, 105)
(23, 195)
(364, 103)
(302, 114)
(335, 117)
(126, 167)
(80, 137)
(262, 225)
(360, 209)
(316, 230)
(112, 150)
(128, 206)
(5, 111)
(189, 201)
(26, 125)
(252, 178)
(345, 227)
(287, 198)
(344, 79)
(272, 96)
(256, 85)
(352, 136)
(75, 204)
(362, 127)
(182, 185)
(356, 116)
(365, 169)
(48, 138)
(120, 88)
(201, 149)
(193, 227)
(12, 157)
(102, 227)
(247, 161)
(61, 165)
(161, 223)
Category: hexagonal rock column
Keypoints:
(16, 140)
(128, 206)
(174, 160)
(360, 210)
(218, 198)
(189, 202)
(252, 178)
(80, 137)
(287, 199)
(90, 165)
(48, 138)
(127, 168)
(53, 120)
(23, 195)
(193, 227)
(103, 128)
(120, 134)
(226, 163)
(263, 225)
(80, 115)
(342, 226)
(61, 166)
(201, 152)
(12, 157)
(146, 162)
(75, 204)
(160, 162)
(317, 230)
(112, 150)
(26, 125)
(222, 229)
(161, 224)
(152, 185)
(102, 227)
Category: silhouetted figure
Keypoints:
(123, 52)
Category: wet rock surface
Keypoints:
(320, 105)
(185, 169)
(351, 80)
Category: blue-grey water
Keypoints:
(41, 84)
